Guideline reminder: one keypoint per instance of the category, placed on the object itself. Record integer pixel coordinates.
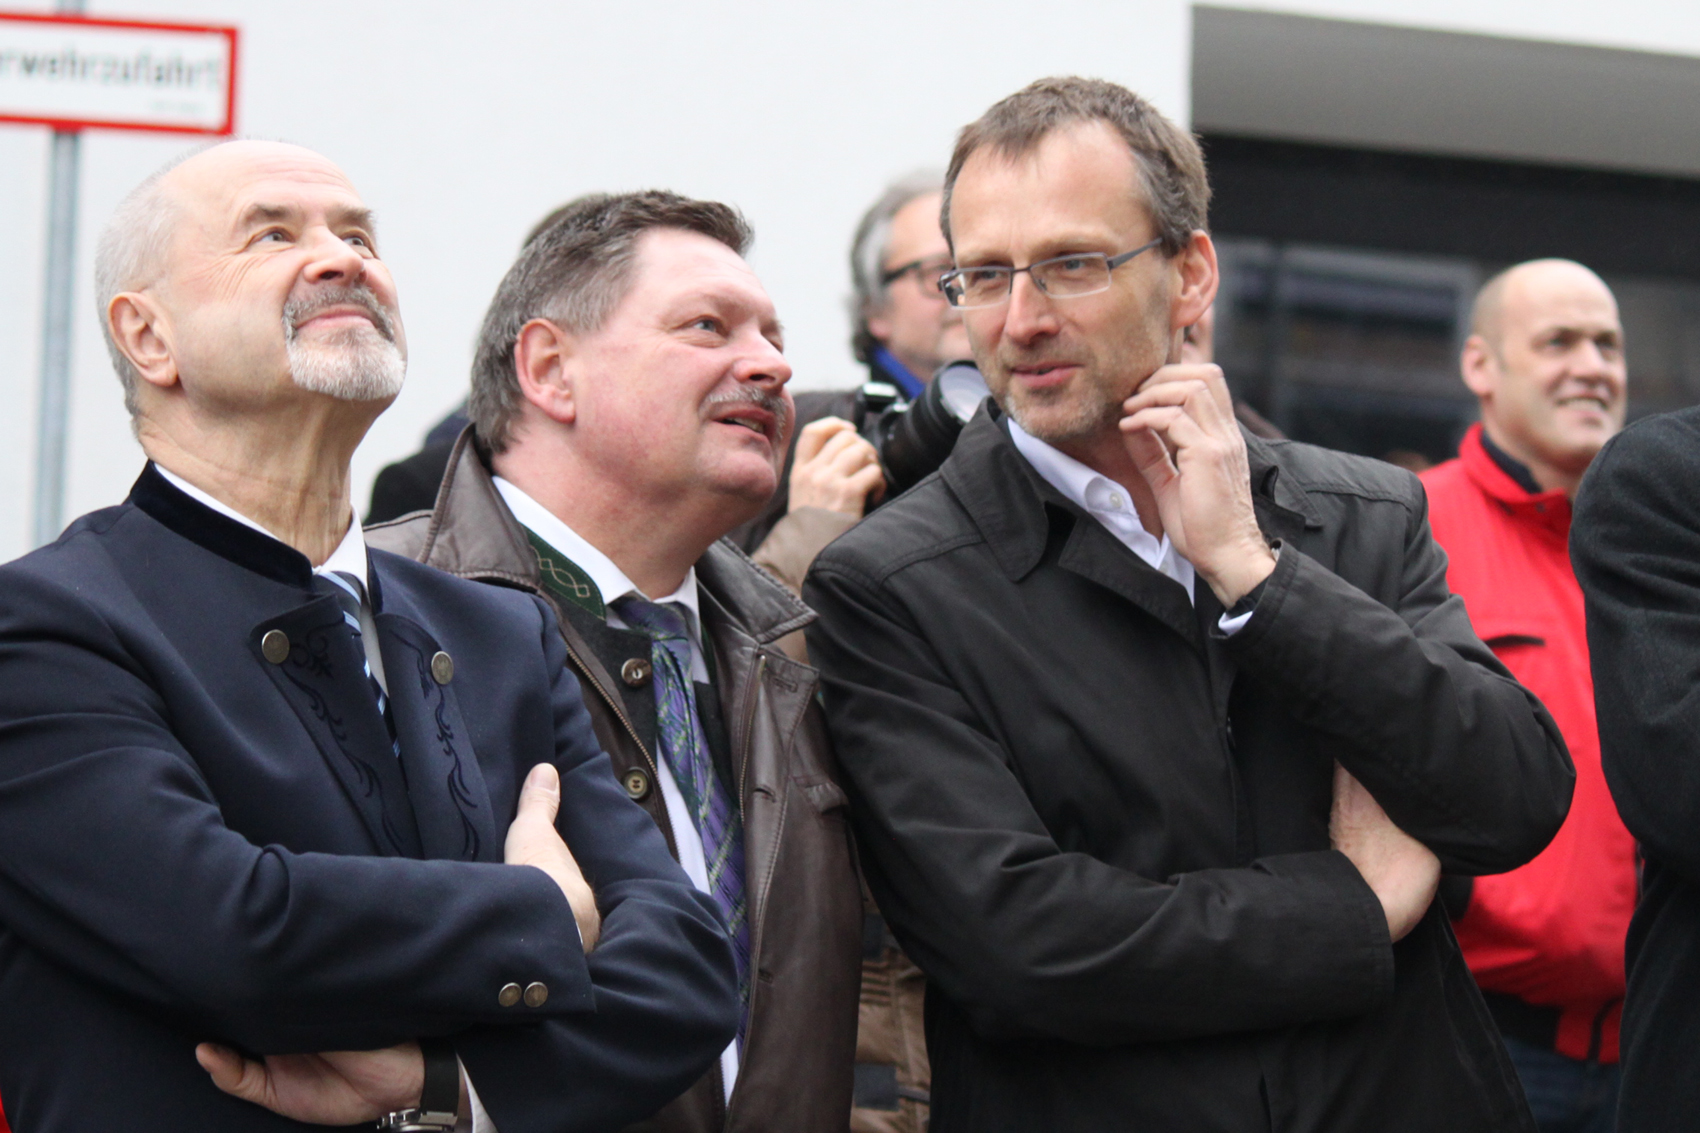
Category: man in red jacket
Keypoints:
(1545, 358)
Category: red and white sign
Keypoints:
(71, 72)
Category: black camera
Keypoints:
(914, 437)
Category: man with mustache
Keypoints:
(1158, 734)
(1545, 358)
(628, 410)
(284, 822)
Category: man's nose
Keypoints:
(332, 258)
(762, 364)
(1029, 312)
(1589, 360)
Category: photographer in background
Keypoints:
(902, 330)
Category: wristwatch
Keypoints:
(439, 1101)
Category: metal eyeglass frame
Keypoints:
(887, 278)
(1111, 263)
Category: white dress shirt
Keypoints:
(350, 558)
(612, 584)
(1109, 503)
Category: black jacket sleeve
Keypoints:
(1636, 549)
(1460, 755)
(665, 989)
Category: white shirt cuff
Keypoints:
(476, 1121)
(1230, 626)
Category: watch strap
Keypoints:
(439, 1101)
(442, 1077)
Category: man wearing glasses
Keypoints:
(904, 329)
(1157, 735)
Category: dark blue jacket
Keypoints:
(198, 844)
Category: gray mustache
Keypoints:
(772, 402)
(297, 311)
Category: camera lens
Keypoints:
(920, 436)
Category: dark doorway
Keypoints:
(1348, 274)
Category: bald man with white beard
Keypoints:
(284, 822)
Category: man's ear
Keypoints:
(1197, 277)
(879, 327)
(142, 334)
(1479, 365)
(544, 362)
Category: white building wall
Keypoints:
(1639, 25)
(462, 124)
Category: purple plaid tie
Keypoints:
(715, 812)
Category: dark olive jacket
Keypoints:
(1101, 827)
(796, 1066)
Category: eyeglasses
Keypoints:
(1061, 277)
(926, 272)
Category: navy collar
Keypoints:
(1511, 466)
(236, 542)
(889, 365)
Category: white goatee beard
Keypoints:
(354, 363)
(365, 368)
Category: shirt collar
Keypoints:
(891, 366)
(1511, 466)
(349, 556)
(1064, 473)
(1094, 492)
(1105, 501)
(608, 578)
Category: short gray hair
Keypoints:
(867, 253)
(575, 268)
(130, 254)
(1168, 158)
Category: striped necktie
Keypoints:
(714, 810)
(350, 594)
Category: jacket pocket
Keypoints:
(822, 793)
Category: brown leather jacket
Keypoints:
(796, 1068)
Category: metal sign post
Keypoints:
(53, 409)
(70, 73)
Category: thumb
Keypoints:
(230, 1071)
(540, 796)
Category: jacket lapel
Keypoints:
(764, 695)
(319, 671)
(1097, 556)
(445, 785)
(1013, 506)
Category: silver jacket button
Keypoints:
(274, 646)
(442, 667)
(635, 673)
(509, 995)
(536, 994)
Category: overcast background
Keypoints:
(462, 124)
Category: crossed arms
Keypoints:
(116, 862)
